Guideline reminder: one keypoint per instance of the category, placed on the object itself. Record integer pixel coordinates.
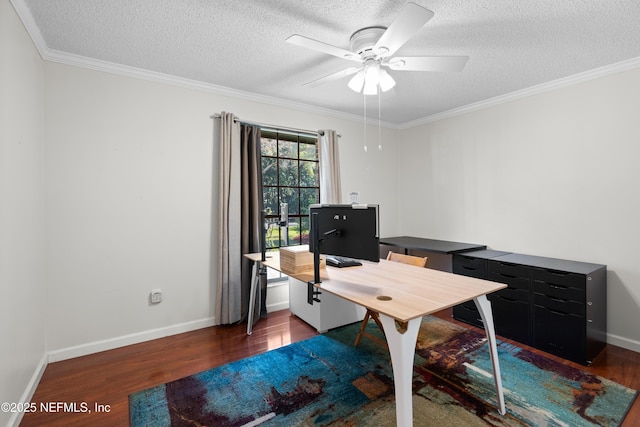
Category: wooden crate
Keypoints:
(297, 259)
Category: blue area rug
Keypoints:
(327, 381)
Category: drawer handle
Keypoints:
(508, 276)
(507, 299)
(557, 286)
(508, 264)
(556, 299)
(559, 313)
(558, 273)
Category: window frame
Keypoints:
(304, 158)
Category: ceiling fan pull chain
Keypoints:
(379, 122)
(365, 122)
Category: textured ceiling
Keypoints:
(240, 45)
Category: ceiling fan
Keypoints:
(373, 47)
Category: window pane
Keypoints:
(294, 230)
(273, 235)
(309, 174)
(304, 230)
(288, 149)
(308, 152)
(290, 196)
(270, 200)
(308, 196)
(290, 175)
(283, 241)
(268, 147)
(269, 171)
(288, 172)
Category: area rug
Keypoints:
(326, 381)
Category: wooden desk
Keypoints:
(403, 294)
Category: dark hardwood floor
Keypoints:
(107, 378)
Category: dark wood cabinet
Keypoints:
(558, 306)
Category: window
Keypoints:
(290, 174)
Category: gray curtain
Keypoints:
(329, 159)
(228, 281)
(252, 206)
(239, 206)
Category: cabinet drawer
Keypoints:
(560, 305)
(508, 269)
(467, 312)
(559, 291)
(510, 294)
(468, 266)
(512, 319)
(559, 278)
(561, 334)
(515, 282)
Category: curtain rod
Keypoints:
(274, 127)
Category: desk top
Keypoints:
(398, 290)
(430, 245)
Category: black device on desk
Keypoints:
(341, 231)
(340, 261)
(345, 231)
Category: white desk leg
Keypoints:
(484, 307)
(402, 347)
(252, 296)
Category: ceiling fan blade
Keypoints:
(410, 20)
(331, 77)
(322, 47)
(427, 63)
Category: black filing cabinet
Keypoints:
(569, 310)
(555, 305)
(512, 306)
(472, 264)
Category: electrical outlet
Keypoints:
(156, 296)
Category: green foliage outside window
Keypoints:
(290, 174)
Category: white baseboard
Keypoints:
(623, 342)
(97, 346)
(109, 344)
(16, 417)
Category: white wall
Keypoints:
(129, 195)
(553, 175)
(22, 230)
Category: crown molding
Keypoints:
(30, 25)
(619, 67)
(84, 62)
(65, 58)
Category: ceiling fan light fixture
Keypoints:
(368, 80)
(357, 81)
(386, 81)
(371, 79)
(372, 74)
(370, 88)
